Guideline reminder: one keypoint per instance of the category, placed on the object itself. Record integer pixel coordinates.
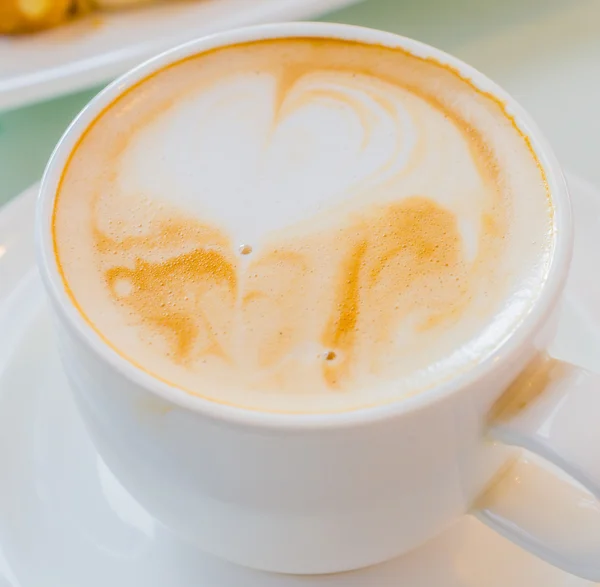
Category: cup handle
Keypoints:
(553, 411)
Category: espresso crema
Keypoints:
(304, 225)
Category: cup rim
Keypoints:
(506, 352)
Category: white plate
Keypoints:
(65, 521)
(100, 47)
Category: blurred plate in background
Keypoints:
(100, 47)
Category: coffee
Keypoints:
(304, 225)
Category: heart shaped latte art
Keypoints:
(301, 224)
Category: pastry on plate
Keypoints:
(26, 16)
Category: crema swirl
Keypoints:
(304, 225)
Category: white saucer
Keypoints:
(65, 521)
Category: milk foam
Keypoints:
(399, 225)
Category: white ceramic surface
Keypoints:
(65, 521)
(323, 493)
(102, 46)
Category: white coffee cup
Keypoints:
(326, 493)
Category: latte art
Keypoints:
(303, 225)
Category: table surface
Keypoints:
(546, 53)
